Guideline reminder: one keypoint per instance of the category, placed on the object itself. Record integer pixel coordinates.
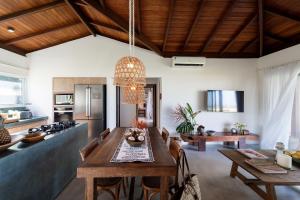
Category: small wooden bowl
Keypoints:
(135, 143)
(34, 139)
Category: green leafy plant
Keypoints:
(240, 126)
(186, 116)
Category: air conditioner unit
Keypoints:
(188, 62)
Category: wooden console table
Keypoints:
(218, 137)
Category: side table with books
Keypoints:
(264, 170)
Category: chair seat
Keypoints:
(154, 181)
(108, 181)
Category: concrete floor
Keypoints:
(213, 172)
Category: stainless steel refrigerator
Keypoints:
(90, 107)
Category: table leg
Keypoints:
(229, 144)
(202, 145)
(242, 143)
(234, 169)
(271, 193)
(89, 189)
(131, 189)
(164, 187)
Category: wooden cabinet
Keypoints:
(63, 85)
(26, 126)
(66, 84)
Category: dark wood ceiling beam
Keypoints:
(282, 14)
(169, 22)
(139, 16)
(246, 24)
(107, 26)
(294, 40)
(260, 5)
(78, 12)
(32, 35)
(12, 49)
(249, 44)
(221, 20)
(102, 3)
(122, 24)
(194, 24)
(277, 37)
(30, 11)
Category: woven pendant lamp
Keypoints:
(134, 94)
(130, 72)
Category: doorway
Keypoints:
(147, 112)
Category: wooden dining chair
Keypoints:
(165, 134)
(104, 134)
(110, 185)
(151, 185)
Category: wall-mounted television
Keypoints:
(225, 101)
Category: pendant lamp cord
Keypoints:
(131, 28)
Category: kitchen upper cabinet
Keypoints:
(66, 84)
(63, 85)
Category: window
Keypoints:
(11, 91)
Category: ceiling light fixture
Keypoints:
(10, 29)
(130, 72)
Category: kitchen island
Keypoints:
(41, 171)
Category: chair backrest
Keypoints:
(85, 151)
(176, 152)
(104, 134)
(165, 134)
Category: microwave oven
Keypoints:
(63, 99)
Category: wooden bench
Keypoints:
(226, 137)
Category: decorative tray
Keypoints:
(14, 139)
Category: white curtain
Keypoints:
(295, 133)
(278, 86)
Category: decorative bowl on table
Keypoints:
(210, 133)
(135, 137)
(34, 135)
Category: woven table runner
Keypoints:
(127, 153)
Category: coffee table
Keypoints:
(218, 137)
(267, 180)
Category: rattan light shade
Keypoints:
(134, 94)
(129, 71)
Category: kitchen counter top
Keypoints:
(26, 121)
(21, 146)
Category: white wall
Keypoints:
(97, 57)
(9, 58)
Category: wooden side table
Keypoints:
(201, 140)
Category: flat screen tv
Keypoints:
(225, 101)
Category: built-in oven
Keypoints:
(63, 99)
(63, 113)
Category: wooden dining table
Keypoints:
(98, 163)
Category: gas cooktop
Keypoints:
(54, 128)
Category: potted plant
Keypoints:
(186, 116)
(240, 127)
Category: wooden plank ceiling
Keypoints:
(211, 28)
